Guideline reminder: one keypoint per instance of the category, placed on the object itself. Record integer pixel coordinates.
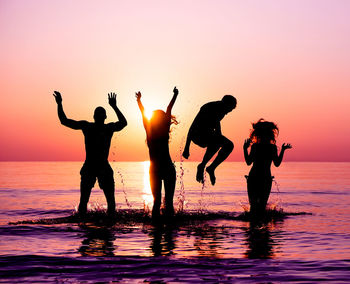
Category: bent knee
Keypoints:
(227, 144)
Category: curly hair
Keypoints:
(264, 131)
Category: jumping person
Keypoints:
(205, 131)
(263, 152)
(161, 166)
(98, 137)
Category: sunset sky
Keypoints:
(284, 61)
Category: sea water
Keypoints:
(310, 244)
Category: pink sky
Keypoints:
(285, 61)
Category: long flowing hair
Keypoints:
(160, 125)
(264, 131)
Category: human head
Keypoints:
(159, 124)
(100, 115)
(229, 103)
(265, 131)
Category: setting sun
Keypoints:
(148, 113)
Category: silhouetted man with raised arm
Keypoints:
(98, 136)
(205, 131)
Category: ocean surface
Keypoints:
(208, 242)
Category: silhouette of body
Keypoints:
(161, 166)
(262, 153)
(205, 131)
(98, 137)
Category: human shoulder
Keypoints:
(273, 146)
(211, 104)
(253, 146)
(84, 123)
(211, 107)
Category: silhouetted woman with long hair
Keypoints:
(263, 152)
(161, 166)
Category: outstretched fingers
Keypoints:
(112, 99)
(112, 95)
(287, 146)
(138, 95)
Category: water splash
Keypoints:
(121, 177)
(277, 202)
(202, 205)
(123, 187)
(181, 202)
(139, 216)
(96, 207)
(146, 208)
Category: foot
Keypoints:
(169, 215)
(200, 173)
(111, 213)
(186, 154)
(211, 173)
(156, 218)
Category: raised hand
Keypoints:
(58, 97)
(286, 146)
(138, 95)
(247, 143)
(112, 99)
(176, 91)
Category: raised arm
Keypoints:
(141, 107)
(171, 104)
(278, 159)
(121, 123)
(248, 157)
(62, 116)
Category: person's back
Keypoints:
(205, 131)
(162, 169)
(159, 151)
(262, 156)
(209, 115)
(157, 131)
(97, 137)
(262, 153)
(97, 141)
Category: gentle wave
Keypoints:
(205, 270)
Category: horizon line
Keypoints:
(195, 161)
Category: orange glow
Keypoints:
(148, 114)
(147, 196)
(289, 66)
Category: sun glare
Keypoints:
(148, 113)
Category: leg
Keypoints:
(186, 152)
(87, 182)
(226, 149)
(169, 188)
(265, 194)
(84, 199)
(252, 187)
(109, 194)
(156, 187)
(106, 182)
(209, 153)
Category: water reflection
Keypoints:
(98, 241)
(261, 244)
(214, 239)
(163, 239)
(207, 240)
(147, 196)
